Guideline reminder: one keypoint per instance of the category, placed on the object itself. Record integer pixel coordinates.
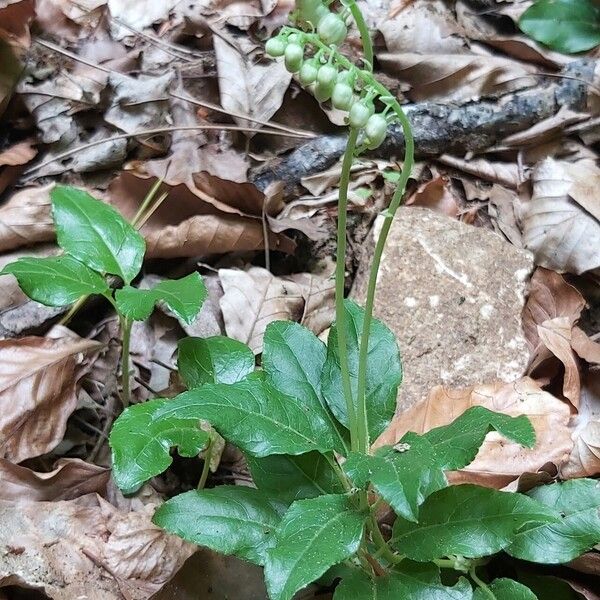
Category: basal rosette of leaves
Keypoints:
(307, 418)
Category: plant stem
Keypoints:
(365, 36)
(146, 202)
(338, 471)
(206, 466)
(340, 281)
(126, 337)
(486, 590)
(361, 400)
(384, 550)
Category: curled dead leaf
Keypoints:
(498, 462)
(26, 219)
(437, 195)
(70, 479)
(38, 382)
(560, 221)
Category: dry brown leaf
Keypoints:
(458, 77)
(423, 26)
(205, 235)
(437, 195)
(246, 85)
(25, 219)
(501, 208)
(254, 298)
(207, 219)
(70, 479)
(13, 160)
(38, 381)
(558, 221)
(498, 462)
(550, 296)
(86, 548)
(555, 334)
(504, 173)
(139, 14)
(318, 292)
(584, 460)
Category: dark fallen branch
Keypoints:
(449, 128)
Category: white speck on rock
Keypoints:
(486, 311)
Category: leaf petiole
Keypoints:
(125, 368)
(206, 466)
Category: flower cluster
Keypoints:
(319, 67)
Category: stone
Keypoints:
(453, 294)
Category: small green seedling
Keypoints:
(98, 243)
(306, 422)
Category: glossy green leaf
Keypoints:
(217, 359)
(313, 535)
(293, 359)
(457, 444)
(96, 234)
(414, 581)
(404, 475)
(579, 501)
(294, 477)
(253, 415)
(504, 589)
(384, 371)
(141, 440)
(468, 520)
(184, 297)
(229, 519)
(56, 280)
(568, 26)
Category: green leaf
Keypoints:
(414, 582)
(184, 297)
(293, 359)
(468, 520)
(253, 415)
(141, 440)
(384, 371)
(294, 477)
(56, 280)
(313, 535)
(579, 501)
(404, 475)
(228, 519)
(504, 589)
(215, 359)
(458, 443)
(568, 26)
(96, 234)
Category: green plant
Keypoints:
(307, 419)
(568, 26)
(98, 243)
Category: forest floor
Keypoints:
(249, 165)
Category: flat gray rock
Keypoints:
(453, 294)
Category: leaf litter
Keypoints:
(97, 70)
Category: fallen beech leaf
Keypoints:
(25, 218)
(86, 548)
(318, 292)
(423, 26)
(19, 154)
(70, 479)
(38, 380)
(458, 77)
(254, 298)
(584, 460)
(212, 234)
(246, 85)
(139, 14)
(550, 296)
(437, 195)
(558, 221)
(555, 334)
(498, 462)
